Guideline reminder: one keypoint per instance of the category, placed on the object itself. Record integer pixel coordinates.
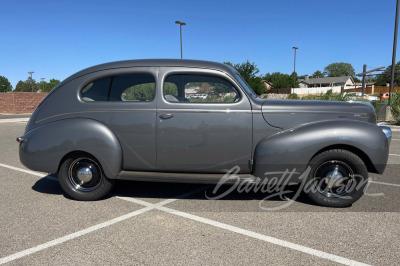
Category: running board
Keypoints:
(198, 178)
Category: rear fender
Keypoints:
(44, 147)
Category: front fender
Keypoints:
(44, 147)
(294, 148)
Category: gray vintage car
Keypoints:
(144, 120)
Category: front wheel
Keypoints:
(82, 178)
(337, 178)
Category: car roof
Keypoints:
(155, 63)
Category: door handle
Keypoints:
(166, 116)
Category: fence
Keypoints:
(305, 91)
(20, 102)
(319, 90)
(368, 90)
(279, 91)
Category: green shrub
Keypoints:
(328, 96)
(395, 106)
(310, 97)
(293, 96)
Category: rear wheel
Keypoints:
(82, 178)
(337, 178)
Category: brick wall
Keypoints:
(20, 102)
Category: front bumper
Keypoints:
(388, 132)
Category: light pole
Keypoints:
(31, 72)
(294, 71)
(180, 30)
(42, 84)
(4, 88)
(394, 51)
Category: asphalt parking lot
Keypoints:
(175, 224)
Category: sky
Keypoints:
(57, 38)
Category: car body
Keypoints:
(134, 120)
(383, 96)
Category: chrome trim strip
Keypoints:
(205, 111)
(315, 112)
(154, 110)
(98, 111)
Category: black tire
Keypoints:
(337, 178)
(82, 178)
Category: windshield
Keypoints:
(246, 86)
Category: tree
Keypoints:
(5, 85)
(384, 78)
(339, 69)
(51, 84)
(279, 80)
(318, 74)
(28, 85)
(249, 72)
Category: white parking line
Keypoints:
(12, 120)
(265, 238)
(394, 154)
(395, 139)
(159, 206)
(66, 238)
(24, 170)
(383, 183)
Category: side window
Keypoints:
(199, 89)
(96, 90)
(126, 88)
(133, 88)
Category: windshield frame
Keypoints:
(246, 86)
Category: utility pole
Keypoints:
(180, 30)
(42, 83)
(294, 71)
(31, 72)
(364, 74)
(394, 51)
(363, 80)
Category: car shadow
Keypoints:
(48, 185)
(155, 190)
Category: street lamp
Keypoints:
(42, 84)
(396, 23)
(294, 71)
(180, 30)
(31, 72)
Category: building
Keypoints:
(344, 81)
(267, 84)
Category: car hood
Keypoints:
(291, 113)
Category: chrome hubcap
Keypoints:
(334, 178)
(84, 174)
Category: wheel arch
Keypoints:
(45, 147)
(363, 156)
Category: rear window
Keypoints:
(123, 88)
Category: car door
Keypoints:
(204, 122)
(131, 107)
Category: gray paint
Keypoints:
(294, 148)
(45, 146)
(198, 138)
